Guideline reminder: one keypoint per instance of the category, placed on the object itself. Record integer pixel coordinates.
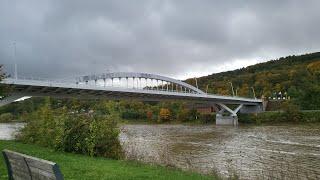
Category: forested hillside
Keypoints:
(297, 77)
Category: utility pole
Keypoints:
(232, 88)
(207, 88)
(254, 93)
(196, 82)
(15, 61)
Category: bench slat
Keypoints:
(17, 175)
(40, 164)
(36, 171)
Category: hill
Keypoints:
(297, 77)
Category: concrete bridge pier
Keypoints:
(227, 120)
(231, 119)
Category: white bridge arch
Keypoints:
(162, 82)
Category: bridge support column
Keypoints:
(231, 119)
(227, 120)
(9, 99)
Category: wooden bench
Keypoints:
(24, 167)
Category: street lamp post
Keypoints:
(15, 61)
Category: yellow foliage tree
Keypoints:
(164, 114)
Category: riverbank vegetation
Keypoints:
(135, 112)
(278, 117)
(73, 129)
(75, 166)
(288, 113)
(128, 111)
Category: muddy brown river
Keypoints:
(245, 152)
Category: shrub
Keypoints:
(6, 117)
(164, 115)
(133, 114)
(183, 115)
(207, 118)
(310, 116)
(149, 115)
(85, 133)
(292, 111)
(92, 135)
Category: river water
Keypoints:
(8, 130)
(245, 152)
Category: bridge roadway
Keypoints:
(84, 90)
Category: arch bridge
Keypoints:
(123, 85)
(140, 80)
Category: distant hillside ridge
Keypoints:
(295, 76)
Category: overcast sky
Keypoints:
(178, 38)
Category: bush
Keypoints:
(310, 116)
(207, 118)
(186, 115)
(183, 115)
(85, 133)
(6, 117)
(149, 115)
(292, 111)
(133, 114)
(92, 135)
(164, 115)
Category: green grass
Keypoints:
(74, 166)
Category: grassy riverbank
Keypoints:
(75, 166)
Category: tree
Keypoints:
(149, 115)
(310, 98)
(164, 114)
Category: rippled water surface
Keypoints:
(247, 152)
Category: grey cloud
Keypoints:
(59, 38)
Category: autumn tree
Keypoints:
(149, 115)
(164, 114)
